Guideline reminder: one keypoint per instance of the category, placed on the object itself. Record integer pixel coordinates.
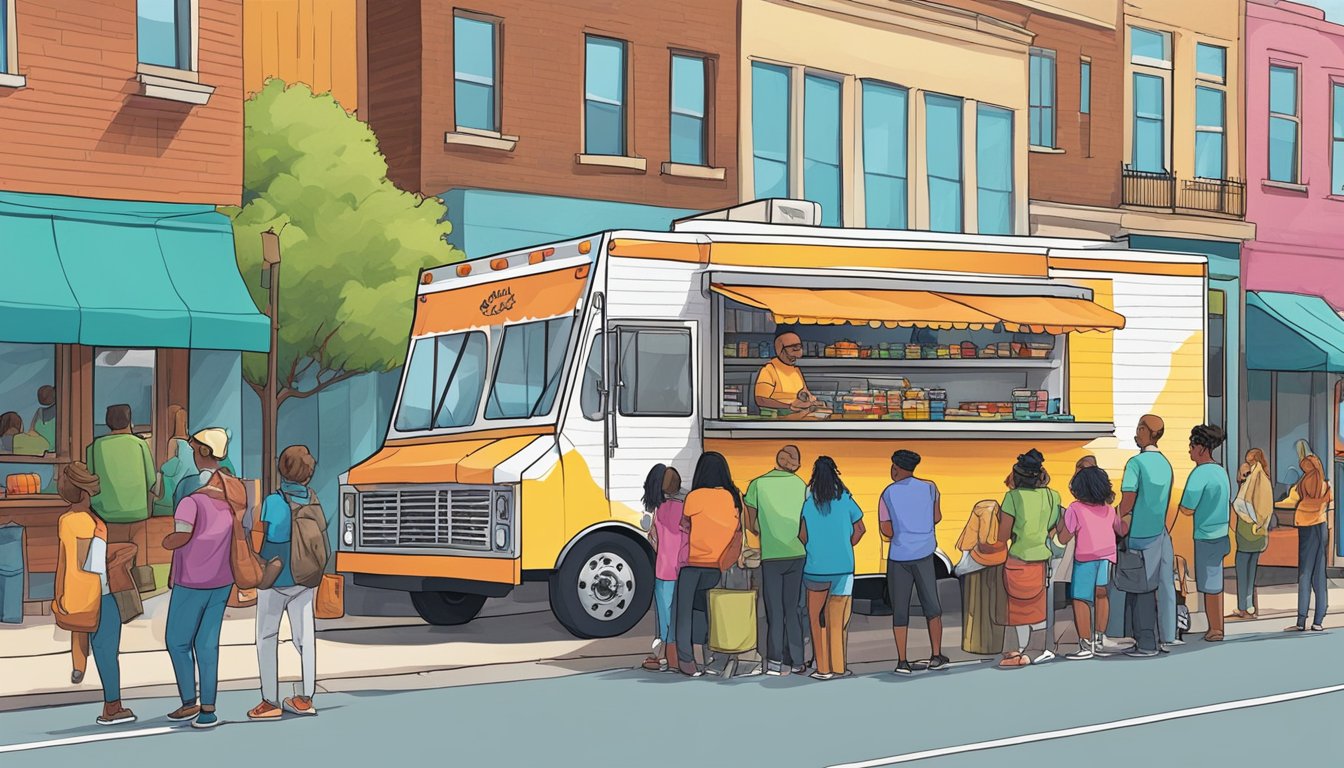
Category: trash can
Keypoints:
(11, 573)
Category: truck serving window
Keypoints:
(655, 367)
(444, 381)
(527, 374)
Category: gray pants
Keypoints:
(1166, 591)
(271, 605)
(782, 582)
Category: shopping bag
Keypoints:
(129, 605)
(1131, 572)
(242, 598)
(330, 598)
(144, 578)
(732, 620)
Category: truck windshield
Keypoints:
(444, 381)
(527, 374)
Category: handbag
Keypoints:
(1131, 571)
(249, 572)
(129, 604)
(329, 602)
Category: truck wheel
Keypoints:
(447, 609)
(603, 587)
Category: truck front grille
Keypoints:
(451, 518)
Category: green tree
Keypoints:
(352, 242)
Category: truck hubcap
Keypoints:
(605, 586)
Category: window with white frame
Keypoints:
(1210, 111)
(821, 146)
(164, 34)
(689, 110)
(1285, 124)
(885, 168)
(1150, 57)
(942, 145)
(476, 72)
(604, 109)
(1042, 98)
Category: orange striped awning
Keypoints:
(1044, 314)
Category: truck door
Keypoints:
(655, 409)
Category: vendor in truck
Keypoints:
(780, 384)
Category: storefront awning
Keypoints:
(1292, 332)
(107, 273)
(925, 309)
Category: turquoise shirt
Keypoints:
(1208, 495)
(829, 530)
(1148, 475)
(278, 517)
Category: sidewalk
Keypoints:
(515, 639)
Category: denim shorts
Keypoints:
(1209, 565)
(836, 584)
(1087, 577)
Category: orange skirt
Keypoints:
(1025, 584)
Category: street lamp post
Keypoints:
(270, 420)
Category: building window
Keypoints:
(1150, 124)
(1150, 48)
(124, 377)
(770, 86)
(6, 25)
(1042, 106)
(942, 130)
(994, 169)
(1211, 62)
(689, 123)
(1284, 124)
(1337, 141)
(163, 33)
(1085, 87)
(476, 73)
(655, 367)
(821, 146)
(1215, 377)
(1210, 143)
(885, 174)
(604, 120)
(28, 404)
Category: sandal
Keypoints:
(1013, 660)
(1317, 628)
(1295, 628)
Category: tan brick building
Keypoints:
(121, 130)
(541, 120)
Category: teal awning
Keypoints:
(110, 273)
(1292, 332)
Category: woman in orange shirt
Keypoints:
(713, 518)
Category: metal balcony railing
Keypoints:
(1157, 189)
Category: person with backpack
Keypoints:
(294, 530)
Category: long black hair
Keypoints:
(711, 471)
(1029, 471)
(1091, 485)
(826, 485)
(653, 488)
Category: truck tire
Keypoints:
(603, 587)
(447, 609)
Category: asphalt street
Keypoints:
(874, 718)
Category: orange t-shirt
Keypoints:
(715, 526)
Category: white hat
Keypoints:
(214, 438)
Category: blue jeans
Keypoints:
(1166, 591)
(1247, 563)
(663, 592)
(106, 644)
(195, 617)
(1311, 572)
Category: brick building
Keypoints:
(120, 133)
(543, 120)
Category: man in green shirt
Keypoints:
(774, 503)
(126, 475)
(1207, 499)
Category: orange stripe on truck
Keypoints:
(491, 569)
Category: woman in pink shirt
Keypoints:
(1093, 521)
(662, 489)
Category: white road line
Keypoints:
(110, 736)
(1065, 733)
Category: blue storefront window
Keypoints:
(163, 32)
(1210, 124)
(1150, 124)
(475, 84)
(942, 127)
(885, 121)
(688, 123)
(821, 146)
(770, 129)
(604, 97)
(994, 169)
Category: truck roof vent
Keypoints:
(772, 211)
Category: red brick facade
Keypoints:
(78, 126)
(410, 44)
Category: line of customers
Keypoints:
(208, 525)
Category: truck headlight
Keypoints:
(348, 504)
(501, 507)
(349, 536)
(501, 537)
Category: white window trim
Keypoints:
(1148, 61)
(191, 75)
(1205, 77)
(1295, 117)
(495, 81)
(11, 78)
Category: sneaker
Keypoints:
(264, 711)
(799, 670)
(1138, 653)
(1045, 656)
(118, 716)
(184, 713)
(206, 720)
(1084, 652)
(903, 668)
(1176, 642)
(774, 669)
(300, 705)
(76, 676)
(689, 669)
(822, 676)
(1108, 644)
(939, 662)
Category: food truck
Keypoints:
(541, 386)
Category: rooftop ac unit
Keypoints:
(773, 211)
